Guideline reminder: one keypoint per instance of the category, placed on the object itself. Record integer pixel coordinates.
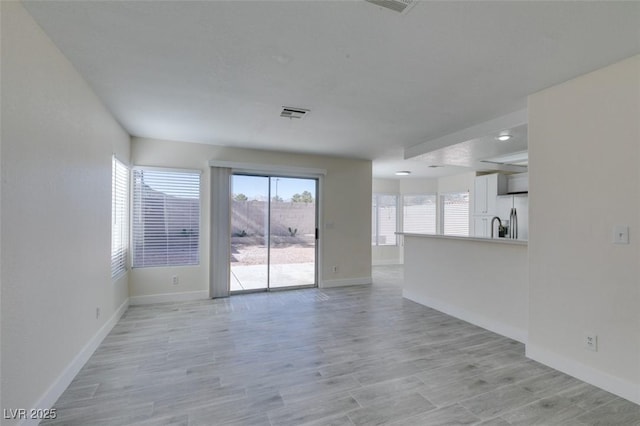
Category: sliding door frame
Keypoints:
(269, 170)
(316, 239)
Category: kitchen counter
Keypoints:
(478, 239)
(480, 280)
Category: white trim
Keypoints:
(294, 172)
(481, 321)
(616, 385)
(346, 282)
(165, 169)
(278, 170)
(168, 297)
(65, 378)
(126, 163)
(513, 119)
(321, 229)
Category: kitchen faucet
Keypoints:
(499, 225)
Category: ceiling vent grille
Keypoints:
(299, 113)
(399, 6)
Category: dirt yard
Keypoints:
(252, 251)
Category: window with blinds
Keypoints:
(166, 218)
(455, 214)
(419, 213)
(384, 221)
(119, 217)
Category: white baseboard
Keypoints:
(168, 297)
(59, 385)
(471, 317)
(345, 282)
(616, 385)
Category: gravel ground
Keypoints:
(284, 250)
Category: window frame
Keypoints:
(138, 220)
(120, 217)
(442, 221)
(375, 228)
(434, 195)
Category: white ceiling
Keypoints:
(376, 81)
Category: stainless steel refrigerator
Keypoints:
(519, 202)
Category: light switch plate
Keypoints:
(621, 234)
(591, 342)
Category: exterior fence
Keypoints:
(249, 218)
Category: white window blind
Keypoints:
(455, 213)
(384, 220)
(166, 218)
(119, 217)
(419, 213)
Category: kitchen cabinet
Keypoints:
(481, 195)
(486, 189)
(518, 183)
(482, 226)
(485, 195)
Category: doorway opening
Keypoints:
(273, 232)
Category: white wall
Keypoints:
(387, 255)
(584, 138)
(57, 142)
(418, 186)
(481, 282)
(346, 210)
(386, 186)
(457, 183)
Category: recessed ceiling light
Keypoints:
(403, 173)
(504, 138)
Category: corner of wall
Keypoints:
(51, 395)
(579, 281)
(616, 385)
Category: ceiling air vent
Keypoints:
(395, 5)
(289, 112)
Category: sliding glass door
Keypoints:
(249, 233)
(292, 248)
(273, 228)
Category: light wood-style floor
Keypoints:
(345, 356)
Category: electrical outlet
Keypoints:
(175, 280)
(335, 269)
(591, 342)
(621, 234)
(97, 313)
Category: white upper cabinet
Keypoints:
(481, 196)
(486, 189)
(518, 183)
